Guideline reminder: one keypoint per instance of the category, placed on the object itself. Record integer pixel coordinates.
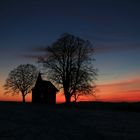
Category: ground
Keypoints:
(42, 122)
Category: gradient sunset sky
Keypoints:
(113, 26)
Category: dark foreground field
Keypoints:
(82, 121)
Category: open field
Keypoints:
(80, 121)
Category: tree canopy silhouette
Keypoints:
(69, 63)
(21, 80)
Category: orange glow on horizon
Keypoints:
(123, 91)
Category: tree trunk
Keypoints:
(68, 98)
(23, 98)
(75, 98)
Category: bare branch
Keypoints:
(69, 62)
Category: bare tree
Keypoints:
(91, 91)
(21, 80)
(69, 63)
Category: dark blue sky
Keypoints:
(112, 26)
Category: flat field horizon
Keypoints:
(83, 120)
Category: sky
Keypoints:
(112, 26)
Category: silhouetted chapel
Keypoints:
(44, 91)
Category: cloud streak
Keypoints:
(34, 52)
(122, 83)
(33, 56)
(116, 47)
(127, 90)
(38, 51)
